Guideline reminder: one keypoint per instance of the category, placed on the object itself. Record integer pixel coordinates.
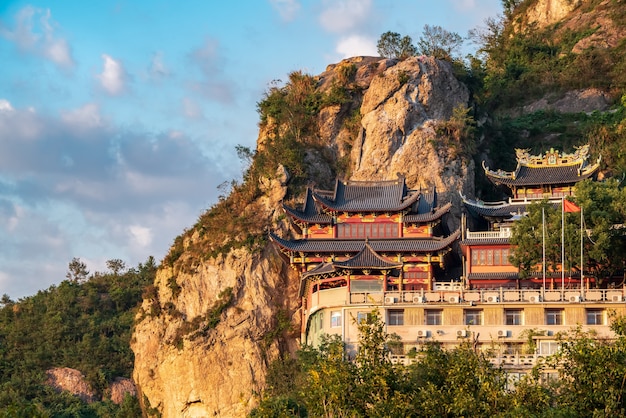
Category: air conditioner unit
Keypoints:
(574, 298)
(422, 333)
(617, 298)
(453, 299)
(493, 299)
(534, 298)
(418, 299)
(503, 333)
(390, 299)
(462, 333)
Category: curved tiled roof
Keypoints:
(366, 259)
(368, 196)
(529, 176)
(309, 213)
(429, 216)
(493, 276)
(485, 241)
(503, 210)
(551, 168)
(323, 268)
(338, 246)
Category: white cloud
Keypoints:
(356, 45)
(113, 77)
(140, 235)
(39, 38)
(87, 116)
(5, 106)
(344, 15)
(288, 9)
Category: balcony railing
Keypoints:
(507, 361)
(494, 296)
(503, 233)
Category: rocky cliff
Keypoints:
(206, 334)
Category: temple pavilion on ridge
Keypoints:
(552, 176)
(367, 237)
(380, 245)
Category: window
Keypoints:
(554, 316)
(335, 319)
(396, 317)
(547, 348)
(513, 316)
(370, 230)
(496, 257)
(473, 317)
(433, 316)
(358, 286)
(595, 316)
(362, 317)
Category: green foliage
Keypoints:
(460, 382)
(528, 237)
(458, 133)
(439, 43)
(86, 326)
(201, 325)
(604, 209)
(393, 45)
(403, 77)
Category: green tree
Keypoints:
(77, 270)
(592, 373)
(116, 266)
(604, 209)
(394, 45)
(439, 43)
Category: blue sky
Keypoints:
(119, 119)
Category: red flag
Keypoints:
(570, 206)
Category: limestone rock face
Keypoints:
(207, 332)
(546, 12)
(200, 343)
(71, 380)
(400, 111)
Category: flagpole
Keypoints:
(543, 232)
(582, 260)
(562, 243)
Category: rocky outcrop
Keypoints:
(205, 337)
(119, 388)
(400, 112)
(544, 13)
(585, 100)
(71, 380)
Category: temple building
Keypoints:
(361, 241)
(486, 250)
(381, 246)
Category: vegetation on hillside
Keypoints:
(462, 382)
(84, 323)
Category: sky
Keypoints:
(119, 119)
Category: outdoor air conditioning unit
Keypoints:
(574, 298)
(493, 299)
(616, 298)
(462, 333)
(503, 333)
(422, 333)
(534, 298)
(390, 299)
(453, 299)
(418, 299)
